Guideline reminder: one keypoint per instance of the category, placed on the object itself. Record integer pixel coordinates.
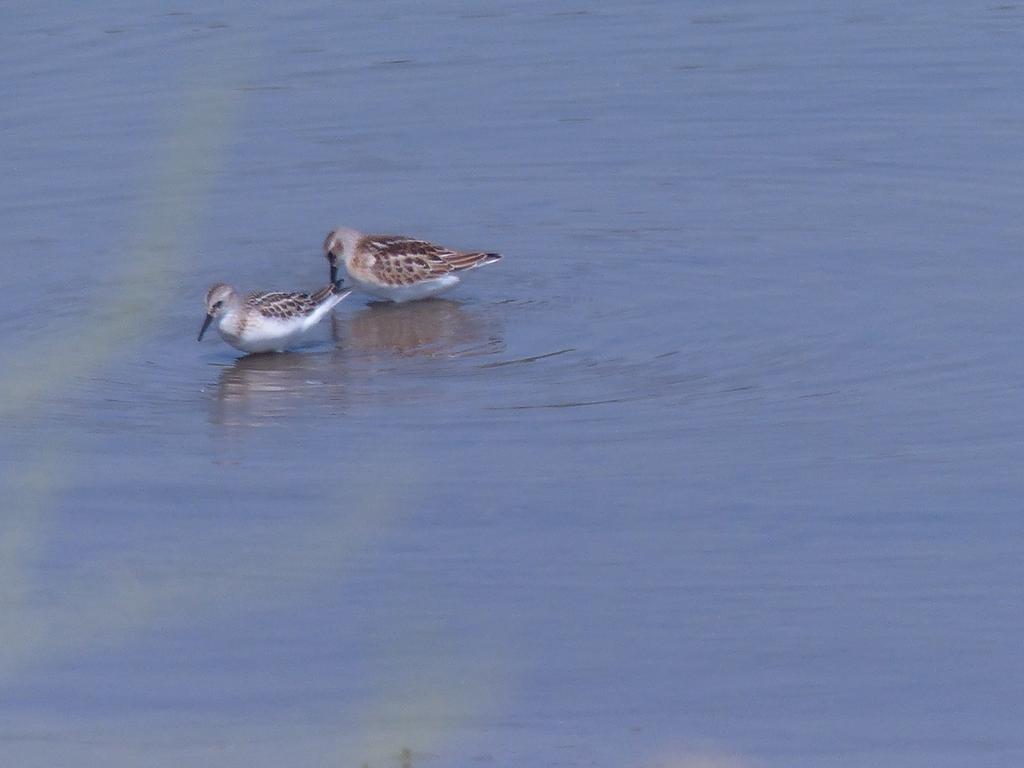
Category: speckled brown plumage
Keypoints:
(399, 260)
(283, 306)
(396, 267)
(267, 321)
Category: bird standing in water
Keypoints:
(268, 321)
(399, 268)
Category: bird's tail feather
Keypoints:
(471, 260)
(331, 289)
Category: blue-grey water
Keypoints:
(721, 466)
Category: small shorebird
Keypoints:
(399, 268)
(267, 321)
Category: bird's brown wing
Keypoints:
(398, 260)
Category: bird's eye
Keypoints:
(218, 305)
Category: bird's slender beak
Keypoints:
(206, 324)
(334, 271)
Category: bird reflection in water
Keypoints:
(257, 389)
(430, 328)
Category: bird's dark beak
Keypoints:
(206, 324)
(334, 270)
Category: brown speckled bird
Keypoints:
(399, 268)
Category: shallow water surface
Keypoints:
(719, 466)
